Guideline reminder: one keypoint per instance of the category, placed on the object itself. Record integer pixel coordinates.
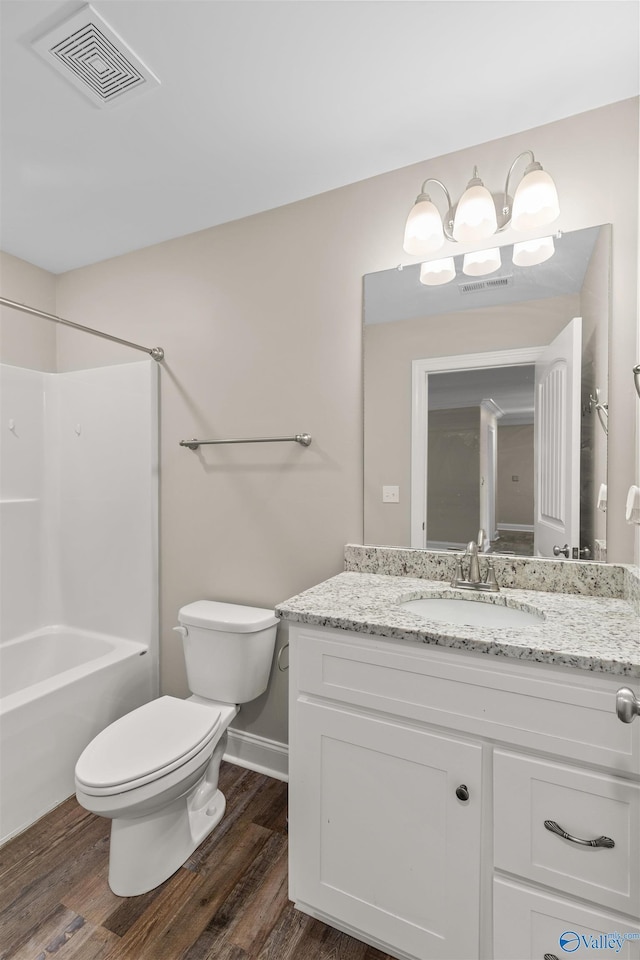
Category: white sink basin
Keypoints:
(471, 612)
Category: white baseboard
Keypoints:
(258, 753)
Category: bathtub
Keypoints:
(58, 688)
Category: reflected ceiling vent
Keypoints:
(474, 286)
(85, 50)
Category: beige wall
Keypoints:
(27, 341)
(261, 323)
(514, 500)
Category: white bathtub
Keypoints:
(58, 688)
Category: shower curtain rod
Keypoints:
(156, 352)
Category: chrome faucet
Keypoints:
(473, 579)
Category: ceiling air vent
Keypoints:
(475, 286)
(85, 50)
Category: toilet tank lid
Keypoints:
(231, 617)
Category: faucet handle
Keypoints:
(458, 575)
(490, 576)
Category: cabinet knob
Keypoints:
(565, 551)
(462, 792)
(627, 705)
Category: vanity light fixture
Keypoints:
(535, 203)
(475, 217)
(481, 262)
(480, 214)
(424, 232)
(435, 272)
(528, 253)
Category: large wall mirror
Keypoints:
(485, 404)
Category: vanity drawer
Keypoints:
(585, 805)
(569, 713)
(529, 925)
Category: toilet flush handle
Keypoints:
(182, 631)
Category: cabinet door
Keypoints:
(531, 925)
(379, 839)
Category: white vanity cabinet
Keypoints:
(420, 781)
(382, 843)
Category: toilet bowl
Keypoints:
(154, 772)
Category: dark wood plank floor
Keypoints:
(228, 902)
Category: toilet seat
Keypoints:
(146, 744)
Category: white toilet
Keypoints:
(154, 772)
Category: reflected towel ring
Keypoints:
(636, 377)
(602, 409)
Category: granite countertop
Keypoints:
(600, 634)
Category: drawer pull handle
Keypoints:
(627, 705)
(598, 842)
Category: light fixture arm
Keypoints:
(524, 153)
(447, 220)
(423, 195)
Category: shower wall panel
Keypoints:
(78, 492)
(22, 494)
(107, 452)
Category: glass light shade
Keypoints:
(481, 262)
(423, 233)
(530, 252)
(475, 217)
(435, 272)
(535, 203)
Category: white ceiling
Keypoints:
(263, 102)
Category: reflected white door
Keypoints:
(557, 443)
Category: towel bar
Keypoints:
(302, 438)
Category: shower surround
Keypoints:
(79, 547)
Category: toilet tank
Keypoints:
(228, 649)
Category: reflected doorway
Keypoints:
(480, 458)
(477, 417)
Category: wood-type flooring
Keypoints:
(228, 902)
